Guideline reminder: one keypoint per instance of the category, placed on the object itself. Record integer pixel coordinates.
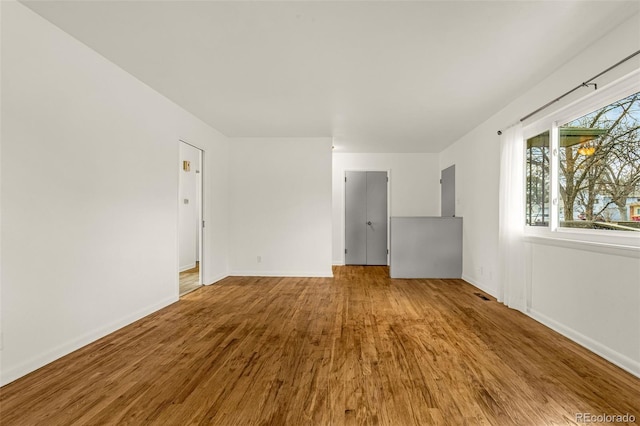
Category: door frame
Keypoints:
(344, 208)
(201, 215)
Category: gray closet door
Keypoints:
(448, 192)
(366, 218)
(355, 218)
(376, 218)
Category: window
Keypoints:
(537, 168)
(598, 170)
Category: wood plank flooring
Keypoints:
(190, 280)
(358, 349)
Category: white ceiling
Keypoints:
(377, 76)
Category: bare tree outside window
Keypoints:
(599, 167)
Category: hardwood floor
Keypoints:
(357, 349)
(190, 280)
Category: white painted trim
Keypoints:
(338, 263)
(187, 267)
(216, 279)
(554, 176)
(59, 351)
(592, 246)
(202, 214)
(295, 274)
(611, 92)
(599, 349)
(177, 234)
(479, 285)
(201, 217)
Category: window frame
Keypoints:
(606, 240)
(526, 137)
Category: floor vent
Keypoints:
(482, 296)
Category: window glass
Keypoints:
(537, 182)
(599, 168)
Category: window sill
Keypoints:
(617, 245)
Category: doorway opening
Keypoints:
(448, 192)
(190, 223)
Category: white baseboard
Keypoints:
(215, 279)
(328, 274)
(479, 285)
(338, 263)
(622, 361)
(51, 355)
(187, 267)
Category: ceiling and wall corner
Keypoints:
(89, 173)
(590, 297)
(376, 76)
(399, 77)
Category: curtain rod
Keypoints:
(584, 84)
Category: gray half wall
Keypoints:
(426, 247)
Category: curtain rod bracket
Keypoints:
(585, 84)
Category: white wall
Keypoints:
(592, 297)
(188, 229)
(414, 187)
(89, 202)
(280, 206)
(563, 294)
(477, 176)
(89, 194)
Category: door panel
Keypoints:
(356, 218)
(376, 218)
(366, 218)
(448, 192)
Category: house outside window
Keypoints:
(634, 210)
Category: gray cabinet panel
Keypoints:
(426, 247)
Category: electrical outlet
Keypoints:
(481, 270)
(259, 259)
